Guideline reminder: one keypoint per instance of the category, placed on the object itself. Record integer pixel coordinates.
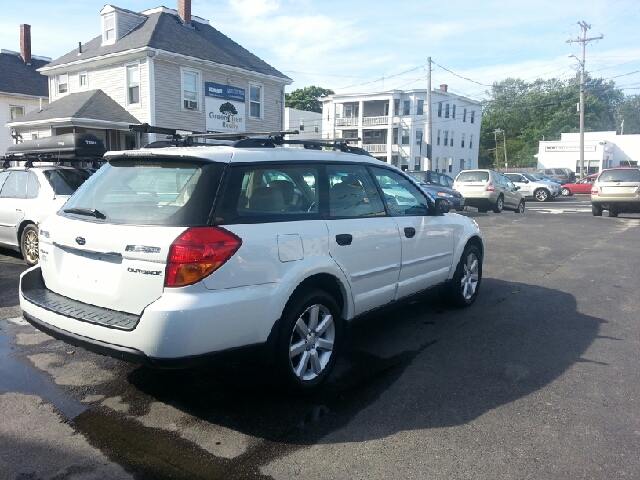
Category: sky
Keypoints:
(359, 46)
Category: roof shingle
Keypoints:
(19, 78)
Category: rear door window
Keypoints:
(264, 193)
(15, 186)
(149, 192)
(352, 192)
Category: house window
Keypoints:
(446, 111)
(420, 110)
(471, 141)
(450, 165)
(34, 135)
(462, 164)
(82, 79)
(16, 112)
(316, 129)
(451, 144)
(63, 83)
(109, 28)
(464, 115)
(446, 138)
(473, 114)
(395, 136)
(453, 113)
(462, 141)
(437, 163)
(439, 109)
(438, 137)
(338, 110)
(190, 89)
(406, 109)
(133, 84)
(255, 101)
(405, 137)
(418, 137)
(348, 110)
(301, 127)
(396, 107)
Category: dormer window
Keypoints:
(63, 83)
(109, 28)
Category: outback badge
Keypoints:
(80, 240)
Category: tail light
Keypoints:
(594, 190)
(490, 187)
(198, 252)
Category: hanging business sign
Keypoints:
(225, 108)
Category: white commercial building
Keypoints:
(601, 150)
(392, 127)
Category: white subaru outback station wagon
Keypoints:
(176, 255)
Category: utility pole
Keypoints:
(495, 138)
(428, 132)
(582, 41)
(504, 139)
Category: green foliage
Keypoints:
(629, 111)
(543, 109)
(307, 98)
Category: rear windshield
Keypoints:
(421, 176)
(472, 176)
(621, 175)
(65, 181)
(157, 192)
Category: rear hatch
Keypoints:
(619, 184)
(472, 183)
(108, 246)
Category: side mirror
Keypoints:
(442, 206)
(518, 188)
(526, 181)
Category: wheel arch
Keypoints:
(21, 227)
(328, 283)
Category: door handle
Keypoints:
(409, 232)
(344, 239)
(19, 210)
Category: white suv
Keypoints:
(171, 256)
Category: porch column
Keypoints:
(360, 132)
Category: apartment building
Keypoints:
(392, 127)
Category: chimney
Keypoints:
(184, 10)
(444, 87)
(25, 43)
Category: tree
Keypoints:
(629, 113)
(543, 109)
(307, 98)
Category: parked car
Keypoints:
(581, 186)
(179, 255)
(616, 190)
(564, 175)
(488, 189)
(28, 195)
(536, 189)
(429, 177)
(437, 190)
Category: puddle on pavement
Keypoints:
(19, 377)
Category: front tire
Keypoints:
(596, 210)
(566, 192)
(464, 287)
(307, 346)
(29, 245)
(497, 208)
(541, 195)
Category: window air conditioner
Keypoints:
(190, 105)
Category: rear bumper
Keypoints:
(181, 329)
(616, 205)
(479, 202)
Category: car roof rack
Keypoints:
(185, 138)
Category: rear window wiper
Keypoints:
(90, 212)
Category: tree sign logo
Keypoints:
(227, 108)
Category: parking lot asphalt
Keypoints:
(538, 379)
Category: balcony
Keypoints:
(375, 147)
(368, 121)
(346, 122)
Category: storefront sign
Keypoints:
(225, 108)
(568, 148)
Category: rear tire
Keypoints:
(596, 210)
(29, 245)
(497, 208)
(310, 335)
(613, 213)
(463, 288)
(520, 208)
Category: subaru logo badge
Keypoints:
(80, 240)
